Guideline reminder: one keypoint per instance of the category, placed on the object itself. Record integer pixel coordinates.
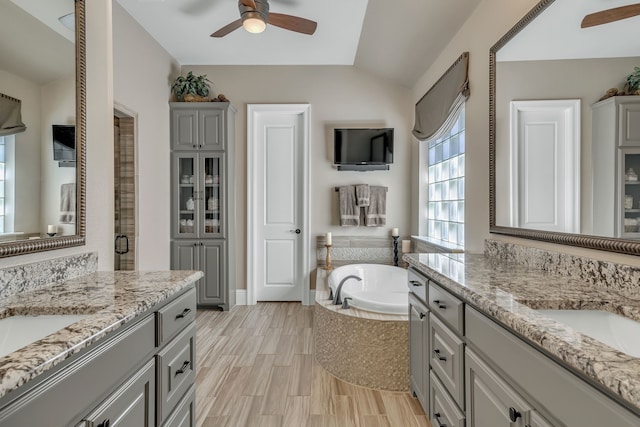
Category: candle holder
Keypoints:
(395, 250)
(327, 263)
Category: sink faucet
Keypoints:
(336, 298)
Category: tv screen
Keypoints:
(363, 146)
(64, 143)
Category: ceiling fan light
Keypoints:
(254, 25)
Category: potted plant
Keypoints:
(191, 88)
(633, 81)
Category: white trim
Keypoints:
(253, 110)
(241, 297)
(312, 298)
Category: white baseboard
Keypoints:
(241, 297)
(312, 297)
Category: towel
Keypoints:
(362, 195)
(375, 215)
(349, 212)
(68, 203)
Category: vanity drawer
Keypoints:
(444, 411)
(447, 358)
(176, 371)
(185, 413)
(173, 317)
(418, 284)
(449, 308)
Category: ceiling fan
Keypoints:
(611, 15)
(254, 17)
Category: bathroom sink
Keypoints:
(19, 331)
(614, 330)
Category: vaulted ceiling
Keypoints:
(394, 39)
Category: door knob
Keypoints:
(297, 231)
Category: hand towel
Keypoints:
(68, 203)
(362, 195)
(375, 215)
(349, 212)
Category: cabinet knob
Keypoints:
(437, 416)
(415, 283)
(422, 315)
(514, 415)
(184, 367)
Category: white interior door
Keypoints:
(545, 165)
(277, 197)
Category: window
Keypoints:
(442, 161)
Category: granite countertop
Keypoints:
(509, 293)
(110, 298)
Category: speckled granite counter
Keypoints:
(111, 298)
(509, 293)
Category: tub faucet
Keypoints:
(336, 298)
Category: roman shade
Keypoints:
(439, 107)
(10, 116)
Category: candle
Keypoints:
(394, 232)
(52, 229)
(327, 239)
(406, 246)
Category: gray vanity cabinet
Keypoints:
(131, 405)
(203, 219)
(419, 350)
(490, 400)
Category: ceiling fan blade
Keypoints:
(228, 28)
(610, 15)
(249, 3)
(293, 23)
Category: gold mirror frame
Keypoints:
(585, 241)
(78, 239)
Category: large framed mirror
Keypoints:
(42, 86)
(561, 159)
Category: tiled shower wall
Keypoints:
(125, 200)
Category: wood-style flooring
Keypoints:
(255, 367)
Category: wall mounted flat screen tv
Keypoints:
(363, 146)
(64, 143)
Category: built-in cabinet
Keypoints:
(615, 157)
(481, 374)
(418, 351)
(141, 376)
(203, 197)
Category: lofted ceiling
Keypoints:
(395, 39)
(556, 34)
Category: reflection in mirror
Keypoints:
(41, 166)
(559, 155)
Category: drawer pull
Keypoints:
(514, 415)
(442, 306)
(184, 367)
(183, 314)
(415, 283)
(437, 415)
(105, 423)
(436, 352)
(422, 316)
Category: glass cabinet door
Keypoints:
(631, 193)
(213, 195)
(186, 199)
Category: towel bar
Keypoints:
(386, 189)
